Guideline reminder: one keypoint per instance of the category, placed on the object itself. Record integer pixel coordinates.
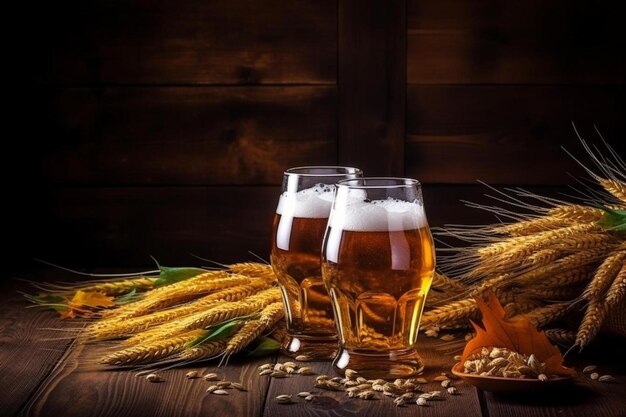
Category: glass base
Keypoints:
(386, 365)
(311, 347)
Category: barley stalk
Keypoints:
(450, 286)
(561, 336)
(152, 352)
(518, 246)
(254, 328)
(591, 323)
(616, 188)
(529, 227)
(253, 270)
(616, 291)
(569, 277)
(140, 283)
(134, 325)
(206, 350)
(156, 299)
(576, 213)
(548, 314)
(454, 311)
(552, 293)
(230, 310)
(162, 293)
(604, 276)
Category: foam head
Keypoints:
(378, 216)
(312, 203)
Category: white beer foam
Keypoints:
(311, 203)
(378, 216)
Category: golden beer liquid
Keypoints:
(378, 285)
(298, 269)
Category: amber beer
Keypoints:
(378, 264)
(297, 234)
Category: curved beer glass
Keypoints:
(297, 234)
(378, 261)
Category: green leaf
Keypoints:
(169, 275)
(613, 220)
(218, 332)
(54, 302)
(126, 298)
(265, 346)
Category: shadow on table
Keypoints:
(568, 394)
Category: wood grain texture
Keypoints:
(193, 42)
(507, 134)
(529, 42)
(372, 78)
(181, 135)
(333, 403)
(102, 226)
(29, 348)
(123, 226)
(78, 388)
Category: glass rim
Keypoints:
(347, 171)
(400, 182)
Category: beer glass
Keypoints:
(378, 261)
(297, 233)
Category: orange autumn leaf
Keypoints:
(518, 335)
(83, 302)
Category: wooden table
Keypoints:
(43, 372)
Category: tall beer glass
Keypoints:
(298, 230)
(378, 261)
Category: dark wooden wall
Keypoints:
(163, 128)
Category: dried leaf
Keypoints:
(91, 299)
(518, 335)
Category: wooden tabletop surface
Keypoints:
(43, 372)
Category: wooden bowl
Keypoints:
(508, 385)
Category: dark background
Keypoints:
(162, 128)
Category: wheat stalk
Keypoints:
(617, 290)
(450, 286)
(576, 213)
(180, 294)
(206, 350)
(152, 352)
(591, 323)
(134, 325)
(254, 328)
(604, 276)
(454, 311)
(541, 316)
(616, 188)
(561, 336)
(228, 311)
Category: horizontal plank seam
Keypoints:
(177, 85)
(496, 84)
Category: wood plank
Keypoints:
(103, 226)
(79, 388)
(181, 135)
(372, 78)
(29, 349)
(507, 134)
(334, 403)
(195, 42)
(123, 226)
(487, 41)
